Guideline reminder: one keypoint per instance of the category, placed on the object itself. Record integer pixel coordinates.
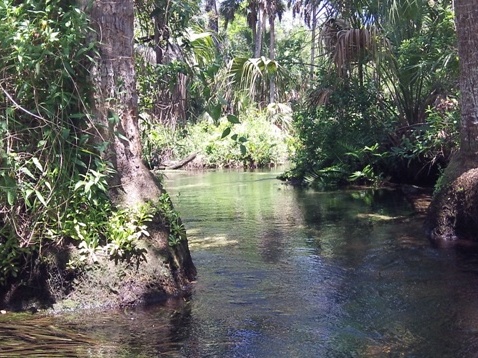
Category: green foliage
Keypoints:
(337, 141)
(433, 141)
(251, 75)
(426, 64)
(172, 15)
(164, 207)
(350, 138)
(53, 182)
(385, 118)
(238, 37)
(251, 139)
(124, 230)
(292, 53)
(43, 150)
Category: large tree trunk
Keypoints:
(453, 212)
(115, 103)
(115, 114)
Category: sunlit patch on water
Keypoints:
(196, 242)
(378, 217)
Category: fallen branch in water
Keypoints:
(181, 163)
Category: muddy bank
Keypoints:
(52, 284)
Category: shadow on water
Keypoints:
(287, 272)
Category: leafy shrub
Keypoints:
(53, 184)
(427, 147)
(253, 141)
(44, 149)
(350, 139)
(340, 137)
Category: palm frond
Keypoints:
(228, 10)
(319, 97)
(248, 73)
(203, 46)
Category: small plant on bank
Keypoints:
(171, 219)
(434, 140)
(117, 233)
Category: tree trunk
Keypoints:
(259, 29)
(313, 39)
(159, 38)
(115, 108)
(213, 16)
(453, 212)
(272, 55)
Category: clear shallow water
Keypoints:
(285, 272)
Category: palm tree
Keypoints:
(211, 10)
(368, 36)
(255, 12)
(229, 9)
(454, 210)
(275, 9)
(309, 10)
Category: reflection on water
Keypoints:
(285, 272)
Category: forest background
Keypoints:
(360, 91)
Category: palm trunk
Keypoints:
(467, 27)
(453, 212)
(260, 29)
(272, 84)
(312, 45)
(213, 16)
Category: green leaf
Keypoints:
(233, 119)
(65, 132)
(113, 118)
(27, 171)
(121, 136)
(11, 197)
(243, 149)
(234, 136)
(41, 198)
(37, 164)
(68, 68)
(26, 195)
(102, 146)
(226, 132)
(215, 112)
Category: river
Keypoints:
(287, 272)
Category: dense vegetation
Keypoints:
(363, 91)
(373, 97)
(53, 172)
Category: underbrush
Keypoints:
(253, 139)
(352, 139)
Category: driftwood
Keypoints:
(181, 163)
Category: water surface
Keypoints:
(286, 272)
